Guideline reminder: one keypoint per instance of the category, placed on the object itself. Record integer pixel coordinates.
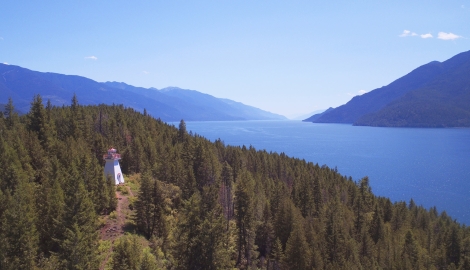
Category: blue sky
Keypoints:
(287, 57)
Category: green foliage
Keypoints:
(123, 190)
(149, 207)
(80, 243)
(298, 254)
(127, 254)
(19, 235)
(202, 205)
(148, 261)
(244, 199)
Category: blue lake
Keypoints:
(432, 166)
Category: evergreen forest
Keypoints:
(197, 205)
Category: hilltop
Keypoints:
(197, 205)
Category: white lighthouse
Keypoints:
(112, 167)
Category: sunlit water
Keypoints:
(432, 166)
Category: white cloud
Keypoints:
(91, 57)
(5, 63)
(428, 35)
(145, 72)
(447, 36)
(408, 33)
(361, 92)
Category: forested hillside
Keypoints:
(201, 205)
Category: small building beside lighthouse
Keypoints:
(112, 167)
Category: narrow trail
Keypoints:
(114, 227)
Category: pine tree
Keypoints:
(410, 251)
(182, 133)
(11, 115)
(186, 251)
(227, 200)
(376, 229)
(453, 246)
(212, 231)
(52, 212)
(189, 185)
(11, 169)
(277, 255)
(284, 220)
(19, 238)
(80, 244)
(265, 233)
(75, 119)
(244, 216)
(144, 206)
(39, 122)
(387, 211)
(317, 196)
(335, 238)
(204, 167)
(298, 253)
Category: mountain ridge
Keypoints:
(21, 84)
(445, 102)
(379, 106)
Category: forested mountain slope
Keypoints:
(21, 84)
(202, 205)
(433, 95)
(444, 102)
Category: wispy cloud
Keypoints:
(428, 35)
(440, 35)
(361, 92)
(1, 38)
(145, 72)
(91, 57)
(5, 63)
(447, 36)
(408, 33)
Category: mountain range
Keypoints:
(168, 104)
(436, 94)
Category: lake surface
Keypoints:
(432, 166)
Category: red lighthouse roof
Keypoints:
(112, 154)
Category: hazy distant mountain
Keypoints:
(304, 115)
(433, 95)
(22, 84)
(317, 115)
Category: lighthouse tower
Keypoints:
(112, 166)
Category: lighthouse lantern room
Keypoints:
(112, 167)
